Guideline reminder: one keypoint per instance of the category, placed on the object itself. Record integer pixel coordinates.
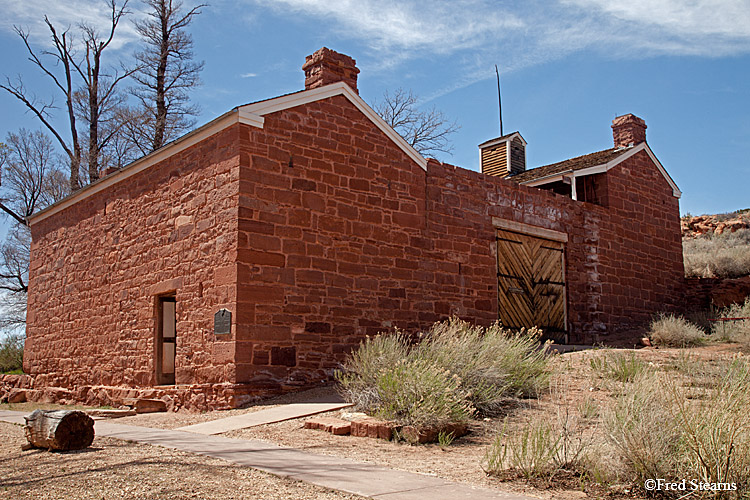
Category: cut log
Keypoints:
(59, 430)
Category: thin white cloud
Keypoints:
(470, 36)
(724, 18)
(248, 75)
(28, 15)
(439, 27)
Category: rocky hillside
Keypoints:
(693, 227)
(717, 246)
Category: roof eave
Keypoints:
(499, 140)
(604, 167)
(174, 147)
(249, 114)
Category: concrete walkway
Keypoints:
(262, 417)
(331, 472)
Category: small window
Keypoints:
(166, 340)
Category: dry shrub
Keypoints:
(493, 364)
(724, 255)
(669, 330)
(733, 331)
(455, 368)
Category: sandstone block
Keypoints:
(146, 405)
(17, 396)
(373, 428)
(335, 426)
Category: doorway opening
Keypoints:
(166, 339)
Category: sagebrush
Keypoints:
(669, 330)
(456, 370)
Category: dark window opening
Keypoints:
(166, 340)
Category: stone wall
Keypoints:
(639, 258)
(98, 266)
(315, 231)
(331, 216)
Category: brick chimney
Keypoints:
(628, 129)
(328, 66)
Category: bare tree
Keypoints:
(31, 177)
(166, 73)
(31, 181)
(99, 98)
(91, 102)
(62, 57)
(14, 276)
(426, 131)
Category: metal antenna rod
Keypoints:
(499, 100)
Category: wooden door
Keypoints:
(531, 283)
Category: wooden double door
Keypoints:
(531, 283)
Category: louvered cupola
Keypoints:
(503, 156)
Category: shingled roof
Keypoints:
(573, 164)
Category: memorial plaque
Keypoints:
(223, 322)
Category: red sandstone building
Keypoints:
(252, 254)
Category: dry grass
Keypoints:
(724, 255)
(736, 330)
(683, 419)
(620, 366)
(674, 331)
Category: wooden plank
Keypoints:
(526, 229)
(531, 285)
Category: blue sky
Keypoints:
(567, 68)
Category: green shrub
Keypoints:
(374, 359)
(11, 354)
(493, 364)
(455, 369)
(418, 393)
(724, 255)
(674, 331)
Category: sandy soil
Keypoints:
(574, 385)
(173, 420)
(114, 469)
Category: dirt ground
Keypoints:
(143, 468)
(115, 469)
